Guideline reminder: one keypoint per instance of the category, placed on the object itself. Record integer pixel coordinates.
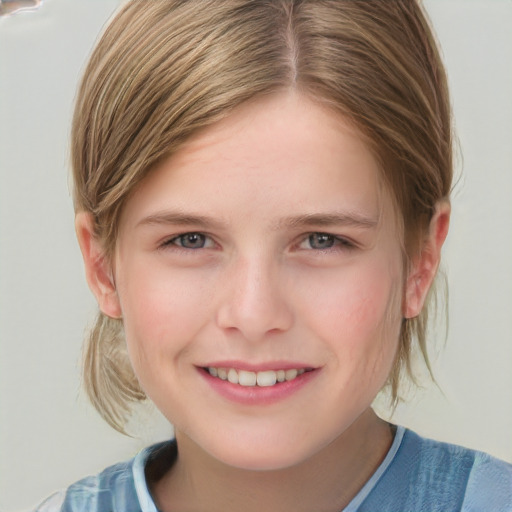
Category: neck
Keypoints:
(327, 481)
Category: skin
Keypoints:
(259, 286)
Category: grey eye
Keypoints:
(191, 240)
(321, 241)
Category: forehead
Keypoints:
(277, 156)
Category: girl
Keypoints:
(262, 194)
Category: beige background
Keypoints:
(49, 435)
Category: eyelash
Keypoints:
(336, 243)
(173, 242)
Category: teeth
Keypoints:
(263, 379)
(233, 376)
(268, 378)
(246, 378)
(290, 374)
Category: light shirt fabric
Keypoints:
(417, 474)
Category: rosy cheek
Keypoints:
(164, 307)
(356, 300)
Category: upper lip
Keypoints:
(258, 367)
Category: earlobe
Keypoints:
(425, 266)
(98, 270)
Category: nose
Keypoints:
(254, 300)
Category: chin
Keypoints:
(260, 460)
(270, 453)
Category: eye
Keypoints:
(324, 241)
(321, 241)
(191, 241)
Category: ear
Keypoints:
(425, 266)
(98, 270)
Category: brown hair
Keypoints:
(165, 69)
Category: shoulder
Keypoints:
(96, 493)
(436, 476)
(99, 493)
(119, 488)
(474, 480)
(53, 503)
(489, 485)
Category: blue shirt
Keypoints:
(417, 474)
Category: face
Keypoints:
(258, 271)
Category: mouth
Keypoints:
(264, 378)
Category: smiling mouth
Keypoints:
(265, 378)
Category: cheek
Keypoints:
(357, 314)
(162, 310)
(362, 323)
(357, 301)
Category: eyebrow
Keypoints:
(329, 219)
(176, 217)
(298, 221)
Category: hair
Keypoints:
(165, 69)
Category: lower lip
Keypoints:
(258, 395)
